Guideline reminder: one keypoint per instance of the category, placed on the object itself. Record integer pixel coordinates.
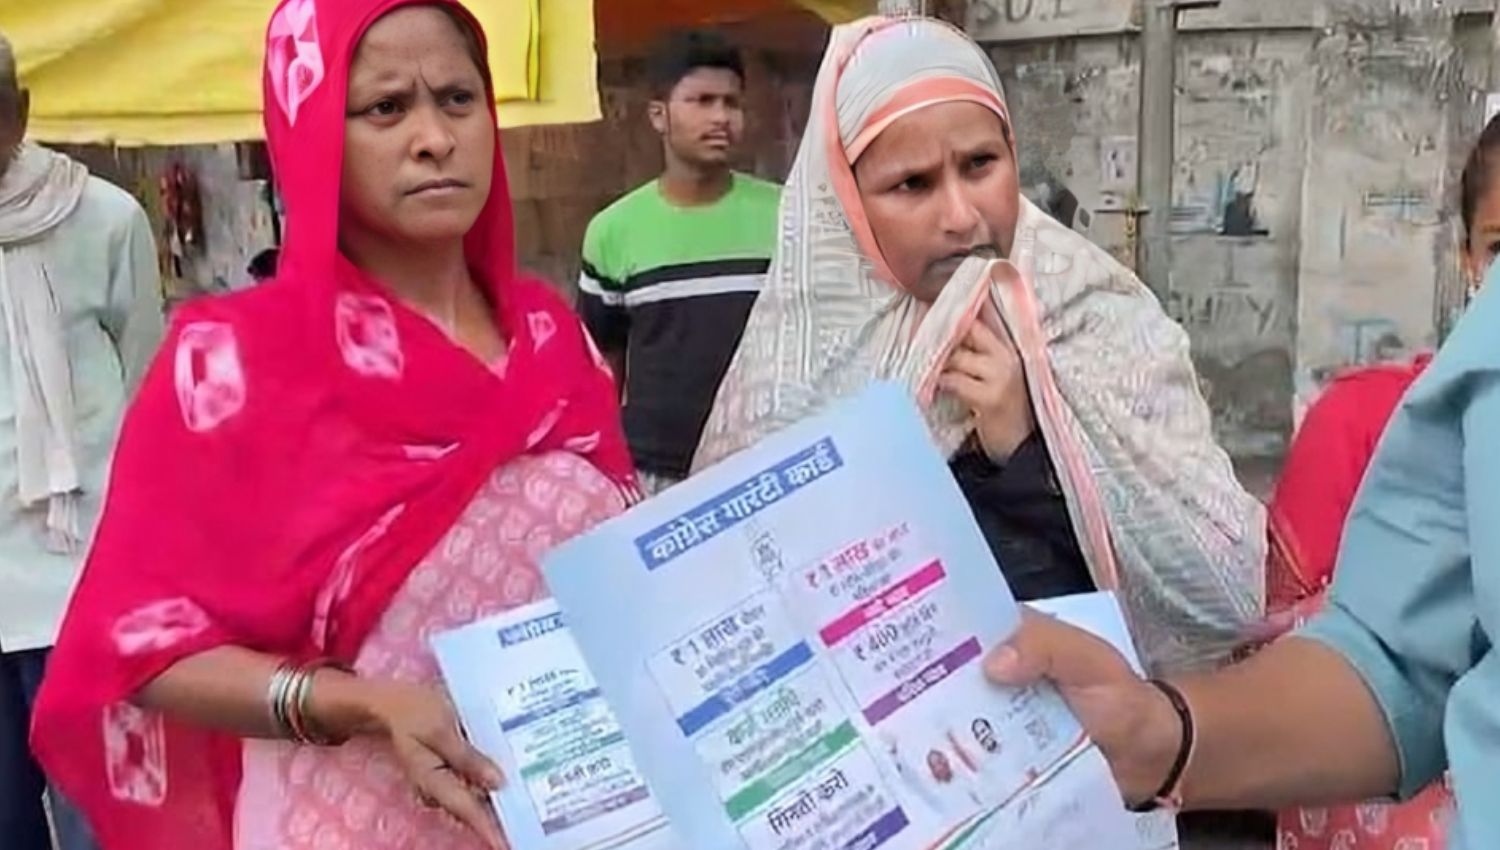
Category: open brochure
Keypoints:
(528, 701)
(792, 643)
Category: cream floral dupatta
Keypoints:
(1158, 511)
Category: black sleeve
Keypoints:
(1024, 516)
(601, 305)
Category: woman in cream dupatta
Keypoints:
(1153, 500)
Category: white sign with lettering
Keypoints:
(1026, 20)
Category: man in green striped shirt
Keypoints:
(671, 270)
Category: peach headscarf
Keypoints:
(1154, 500)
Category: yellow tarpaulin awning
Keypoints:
(188, 71)
(840, 11)
(137, 72)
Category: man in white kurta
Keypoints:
(80, 315)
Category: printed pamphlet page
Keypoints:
(528, 701)
(792, 642)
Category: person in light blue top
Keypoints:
(1397, 680)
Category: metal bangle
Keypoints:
(276, 690)
(288, 699)
(307, 728)
(294, 705)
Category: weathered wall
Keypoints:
(1242, 107)
(237, 219)
(1317, 151)
(1376, 212)
(1074, 102)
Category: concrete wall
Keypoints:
(1242, 109)
(237, 218)
(1236, 215)
(1317, 153)
(1377, 209)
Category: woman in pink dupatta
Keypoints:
(375, 446)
